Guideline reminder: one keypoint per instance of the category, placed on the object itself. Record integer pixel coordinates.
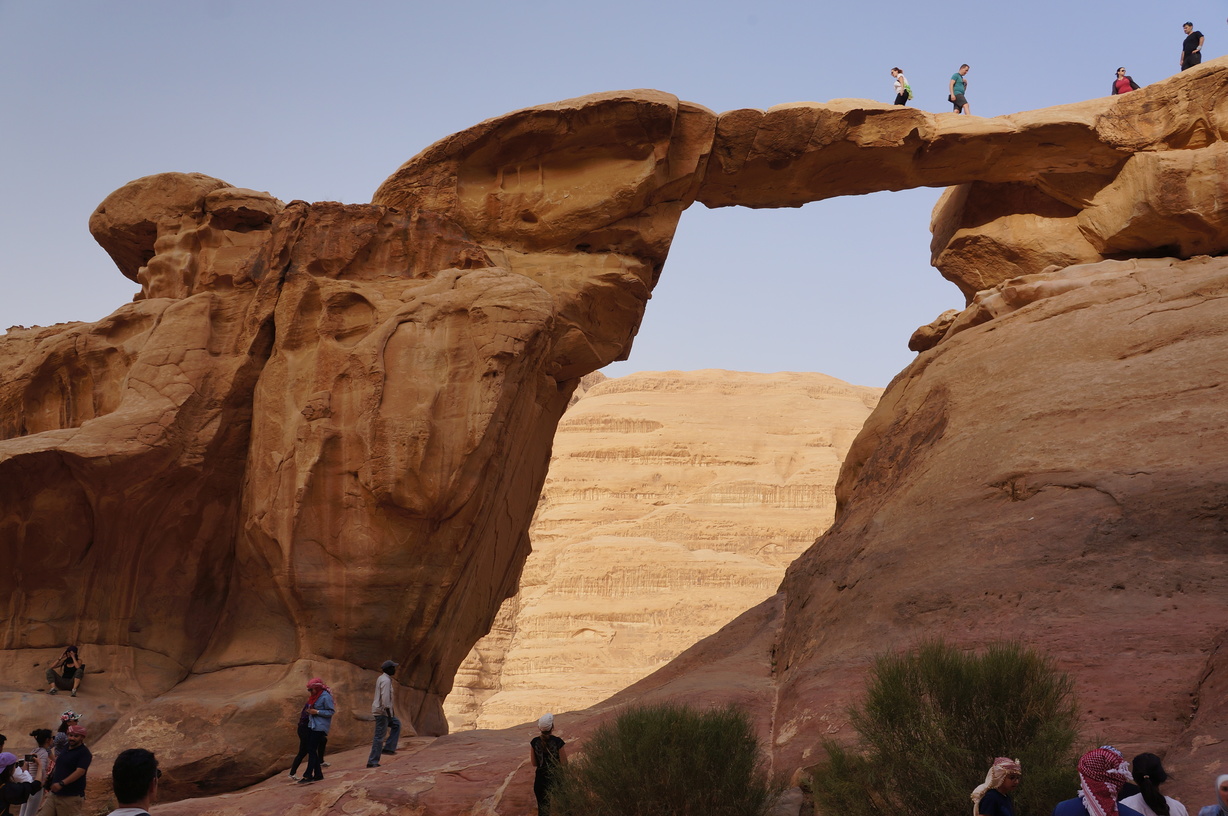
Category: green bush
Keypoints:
(933, 721)
(667, 760)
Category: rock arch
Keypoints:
(332, 422)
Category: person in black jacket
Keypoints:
(11, 792)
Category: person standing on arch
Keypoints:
(386, 721)
(1191, 47)
(957, 87)
(903, 91)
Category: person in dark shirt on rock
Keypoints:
(72, 672)
(993, 798)
(67, 788)
(1191, 48)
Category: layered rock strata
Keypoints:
(673, 503)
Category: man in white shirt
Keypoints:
(385, 719)
(135, 779)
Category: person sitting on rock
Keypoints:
(73, 671)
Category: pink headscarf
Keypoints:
(1101, 772)
(316, 686)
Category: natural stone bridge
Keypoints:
(316, 439)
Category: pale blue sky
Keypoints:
(321, 101)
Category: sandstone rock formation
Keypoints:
(314, 442)
(1054, 470)
(673, 503)
(317, 437)
(1054, 473)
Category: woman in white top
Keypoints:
(1149, 775)
(901, 87)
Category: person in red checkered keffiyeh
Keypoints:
(1102, 771)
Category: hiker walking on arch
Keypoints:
(957, 87)
(903, 91)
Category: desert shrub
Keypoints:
(667, 760)
(934, 719)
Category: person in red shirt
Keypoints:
(1123, 84)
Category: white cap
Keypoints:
(546, 722)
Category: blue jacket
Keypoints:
(324, 720)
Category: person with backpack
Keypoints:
(903, 91)
(69, 678)
(547, 754)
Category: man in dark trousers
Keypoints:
(386, 722)
(135, 777)
(66, 793)
(1191, 49)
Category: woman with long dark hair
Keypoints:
(1149, 775)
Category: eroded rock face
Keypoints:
(1053, 470)
(1163, 198)
(316, 439)
(673, 503)
(1054, 473)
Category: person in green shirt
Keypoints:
(959, 84)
